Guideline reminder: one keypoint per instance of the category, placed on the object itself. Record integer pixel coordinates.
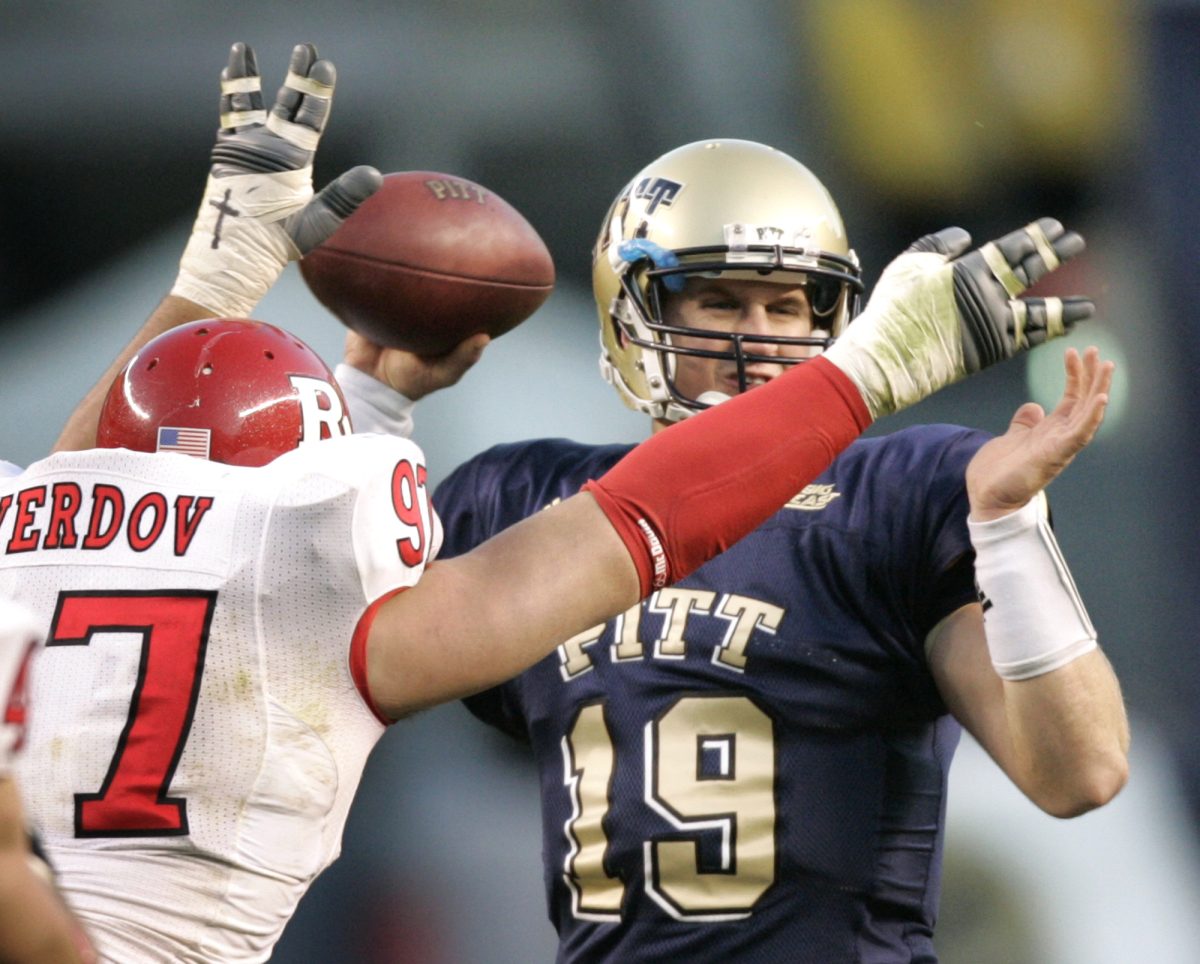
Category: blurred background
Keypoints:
(917, 114)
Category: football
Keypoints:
(428, 260)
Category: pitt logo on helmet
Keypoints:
(657, 190)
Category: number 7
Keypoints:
(132, 801)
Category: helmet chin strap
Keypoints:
(712, 397)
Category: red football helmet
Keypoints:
(227, 389)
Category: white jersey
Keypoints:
(18, 640)
(200, 733)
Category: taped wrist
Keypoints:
(374, 406)
(690, 492)
(907, 343)
(239, 245)
(1033, 616)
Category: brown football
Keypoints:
(428, 260)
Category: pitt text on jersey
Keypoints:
(677, 606)
(61, 516)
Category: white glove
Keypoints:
(938, 315)
(258, 211)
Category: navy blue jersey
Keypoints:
(752, 764)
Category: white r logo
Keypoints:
(321, 409)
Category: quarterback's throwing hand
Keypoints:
(258, 211)
(413, 376)
(941, 312)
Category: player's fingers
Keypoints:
(1026, 417)
(1075, 385)
(340, 198)
(1097, 375)
(1068, 244)
(348, 190)
(1052, 245)
(1091, 416)
(251, 61)
(313, 111)
(287, 98)
(949, 241)
(298, 87)
(1022, 258)
(241, 62)
(1081, 407)
(241, 90)
(1037, 320)
(452, 366)
(468, 351)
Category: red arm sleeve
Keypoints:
(688, 493)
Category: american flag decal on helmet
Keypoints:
(187, 441)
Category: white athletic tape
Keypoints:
(239, 246)
(241, 85)
(298, 134)
(306, 85)
(242, 118)
(1001, 269)
(1044, 248)
(1054, 318)
(1020, 312)
(907, 343)
(1033, 616)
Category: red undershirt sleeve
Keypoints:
(690, 492)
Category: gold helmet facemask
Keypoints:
(730, 209)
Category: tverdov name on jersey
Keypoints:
(96, 522)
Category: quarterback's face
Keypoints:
(741, 307)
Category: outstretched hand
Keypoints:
(1011, 469)
(997, 319)
(258, 211)
(941, 312)
(413, 376)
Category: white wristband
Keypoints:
(1032, 614)
(374, 406)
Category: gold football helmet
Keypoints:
(725, 207)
